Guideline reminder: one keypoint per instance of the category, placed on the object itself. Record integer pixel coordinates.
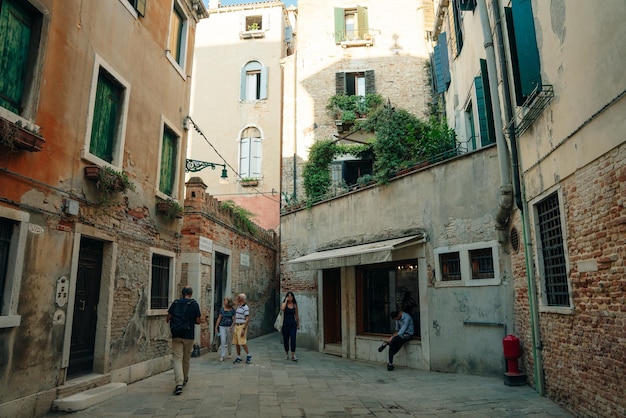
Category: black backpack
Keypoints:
(179, 322)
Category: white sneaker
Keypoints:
(221, 358)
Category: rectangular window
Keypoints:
(254, 23)
(552, 252)
(160, 281)
(475, 264)
(253, 85)
(177, 43)
(176, 36)
(481, 261)
(355, 83)
(456, 29)
(20, 31)
(107, 116)
(169, 162)
(450, 266)
(351, 26)
(382, 290)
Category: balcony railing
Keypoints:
(532, 109)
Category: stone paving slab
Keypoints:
(318, 385)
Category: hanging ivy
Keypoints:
(401, 141)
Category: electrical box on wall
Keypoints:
(71, 207)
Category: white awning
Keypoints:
(372, 253)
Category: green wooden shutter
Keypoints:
(263, 80)
(243, 83)
(370, 82)
(491, 130)
(340, 82)
(508, 15)
(105, 118)
(255, 157)
(483, 106)
(340, 22)
(526, 44)
(442, 69)
(362, 21)
(169, 151)
(15, 37)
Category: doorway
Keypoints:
(85, 315)
(331, 283)
(221, 280)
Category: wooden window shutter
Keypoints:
(491, 130)
(264, 79)
(255, 158)
(340, 28)
(483, 106)
(141, 7)
(169, 153)
(362, 21)
(526, 44)
(105, 118)
(340, 82)
(370, 84)
(244, 157)
(442, 69)
(519, 97)
(242, 87)
(16, 24)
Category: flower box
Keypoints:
(16, 136)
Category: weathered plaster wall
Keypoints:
(216, 107)
(453, 203)
(399, 57)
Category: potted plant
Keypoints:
(171, 209)
(249, 182)
(254, 26)
(109, 181)
(15, 135)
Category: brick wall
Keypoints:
(584, 353)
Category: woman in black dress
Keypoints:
(291, 323)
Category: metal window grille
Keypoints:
(6, 229)
(482, 264)
(450, 266)
(552, 251)
(160, 281)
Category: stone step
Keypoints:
(91, 397)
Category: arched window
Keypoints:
(250, 153)
(253, 81)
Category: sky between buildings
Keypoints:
(230, 2)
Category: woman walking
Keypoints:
(224, 326)
(291, 323)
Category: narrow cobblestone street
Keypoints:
(319, 385)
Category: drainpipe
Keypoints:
(519, 201)
(506, 188)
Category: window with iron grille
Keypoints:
(159, 289)
(552, 252)
(450, 266)
(482, 263)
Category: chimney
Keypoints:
(214, 4)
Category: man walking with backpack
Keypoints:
(182, 316)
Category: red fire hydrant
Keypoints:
(512, 352)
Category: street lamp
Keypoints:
(196, 165)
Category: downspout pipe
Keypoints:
(519, 201)
(506, 188)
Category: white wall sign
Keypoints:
(206, 245)
(245, 260)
